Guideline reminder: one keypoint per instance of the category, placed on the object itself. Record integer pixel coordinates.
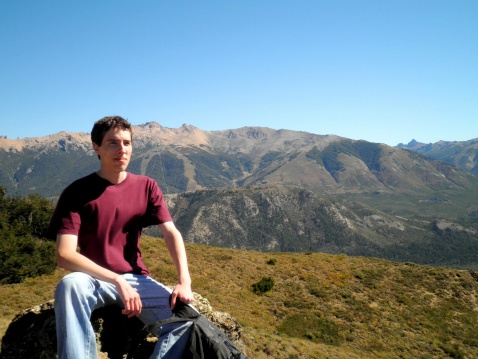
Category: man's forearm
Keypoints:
(177, 250)
(68, 258)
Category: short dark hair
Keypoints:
(107, 123)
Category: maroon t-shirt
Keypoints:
(108, 219)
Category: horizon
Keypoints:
(383, 72)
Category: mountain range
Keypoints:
(281, 190)
(188, 159)
(462, 154)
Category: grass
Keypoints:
(320, 306)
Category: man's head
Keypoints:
(112, 142)
(107, 123)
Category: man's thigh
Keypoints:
(154, 297)
(95, 292)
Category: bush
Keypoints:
(263, 286)
(24, 257)
(23, 252)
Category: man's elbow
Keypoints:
(62, 260)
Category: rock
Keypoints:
(222, 320)
(32, 332)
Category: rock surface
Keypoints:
(32, 333)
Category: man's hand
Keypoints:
(183, 293)
(130, 297)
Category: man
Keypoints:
(103, 214)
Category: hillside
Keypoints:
(293, 219)
(321, 305)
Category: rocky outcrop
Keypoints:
(32, 333)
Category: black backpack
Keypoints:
(207, 341)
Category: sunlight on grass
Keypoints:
(320, 306)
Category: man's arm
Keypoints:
(175, 244)
(69, 259)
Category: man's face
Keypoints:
(115, 150)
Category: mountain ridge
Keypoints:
(230, 158)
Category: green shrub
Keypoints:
(263, 286)
(23, 252)
(25, 257)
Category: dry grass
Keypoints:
(321, 306)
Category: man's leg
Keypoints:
(76, 296)
(172, 338)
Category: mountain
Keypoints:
(188, 159)
(279, 190)
(462, 154)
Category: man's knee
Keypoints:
(73, 284)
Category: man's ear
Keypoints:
(96, 148)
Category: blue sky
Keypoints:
(382, 71)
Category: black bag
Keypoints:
(207, 341)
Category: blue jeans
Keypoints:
(78, 294)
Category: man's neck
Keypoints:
(114, 178)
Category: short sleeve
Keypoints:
(65, 219)
(158, 211)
